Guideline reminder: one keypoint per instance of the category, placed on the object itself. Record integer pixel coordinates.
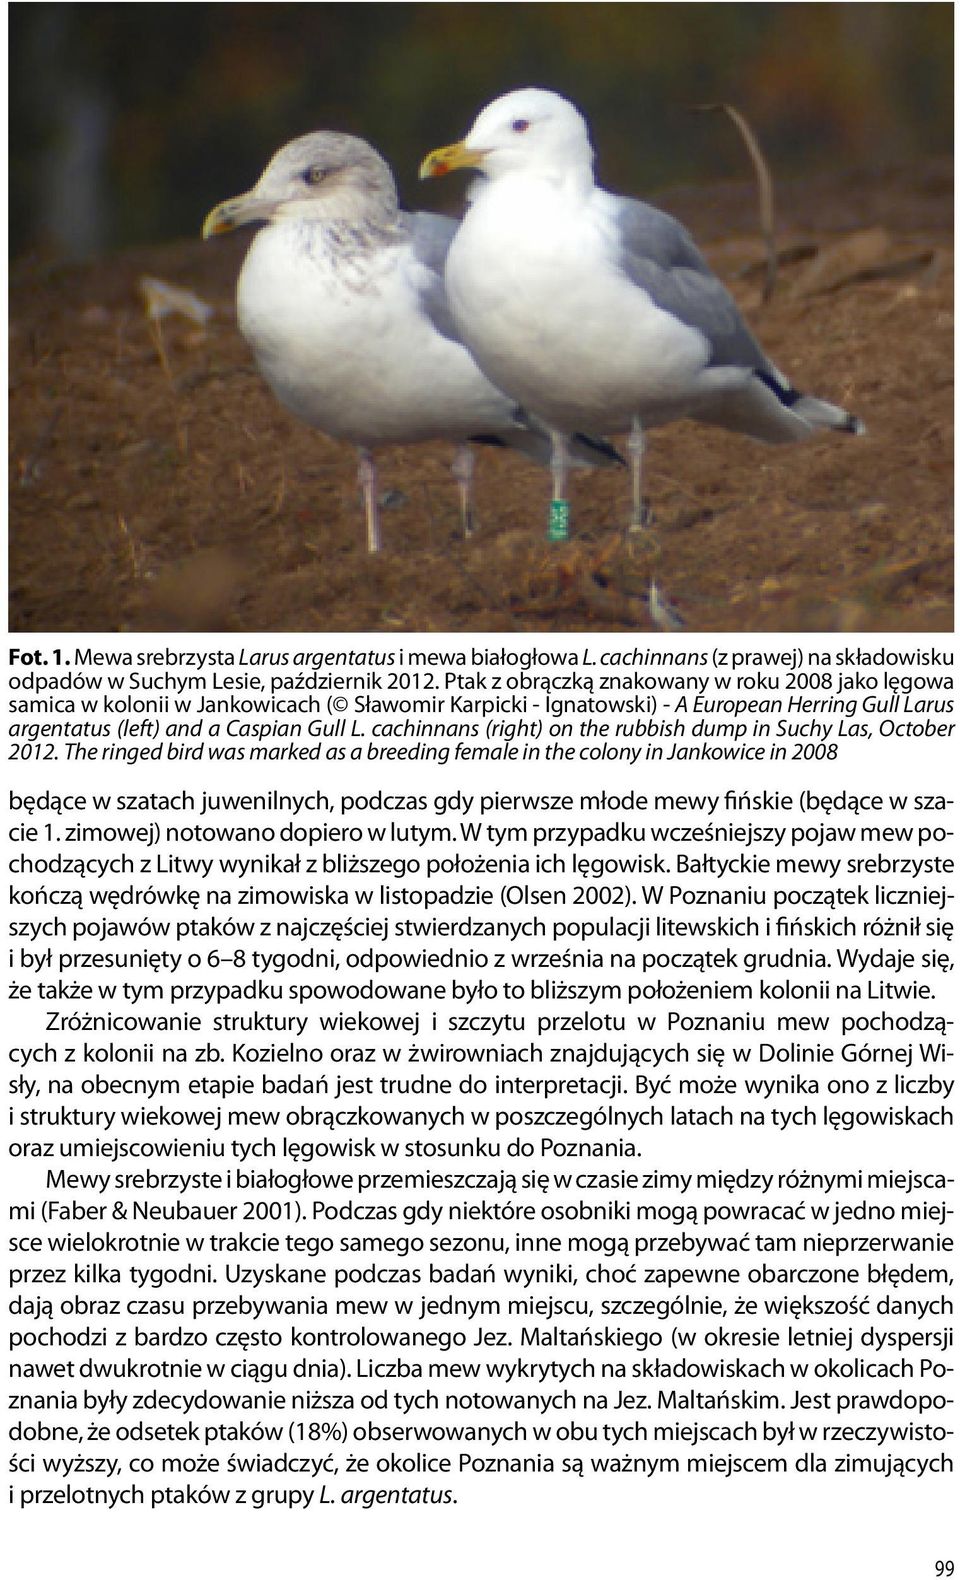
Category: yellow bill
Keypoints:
(455, 157)
(245, 210)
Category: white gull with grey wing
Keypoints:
(597, 310)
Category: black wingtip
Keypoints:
(785, 393)
(490, 438)
(600, 447)
(821, 413)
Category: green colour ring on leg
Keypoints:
(558, 530)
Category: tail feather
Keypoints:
(821, 414)
(767, 407)
(813, 411)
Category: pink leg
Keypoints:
(367, 478)
(558, 530)
(462, 469)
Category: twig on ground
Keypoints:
(131, 547)
(764, 188)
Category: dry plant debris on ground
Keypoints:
(157, 486)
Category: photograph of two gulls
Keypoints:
(341, 298)
(554, 315)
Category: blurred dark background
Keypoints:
(128, 122)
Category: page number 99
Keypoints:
(943, 1568)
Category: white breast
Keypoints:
(341, 339)
(534, 285)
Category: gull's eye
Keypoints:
(314, 175)
(519, 126)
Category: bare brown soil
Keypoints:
(162, 493)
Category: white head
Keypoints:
(323, 177)
(528, 130)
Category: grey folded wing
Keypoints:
(657, 254)
(430, 237)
